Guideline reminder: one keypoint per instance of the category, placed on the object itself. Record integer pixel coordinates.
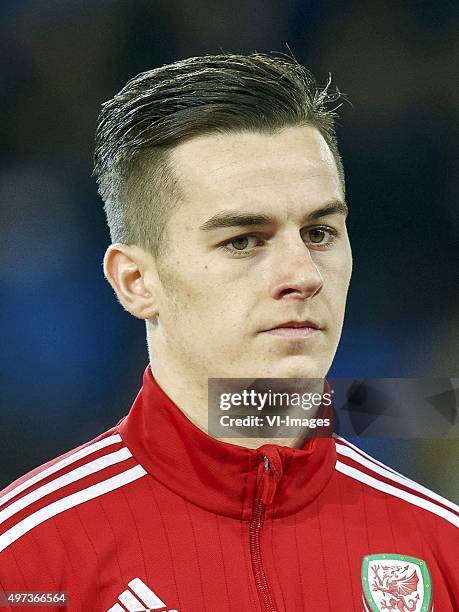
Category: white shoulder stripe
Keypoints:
(87, 450)
(412, 484)
(391, 490)
(70, 501)
(343, 442)
(84, 470)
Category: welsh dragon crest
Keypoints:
(396, 583)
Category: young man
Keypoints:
(224, 193)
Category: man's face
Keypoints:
(224, 285)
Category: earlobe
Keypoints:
(126, 268)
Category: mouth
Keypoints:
(294, 329)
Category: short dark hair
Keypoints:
(159, 109)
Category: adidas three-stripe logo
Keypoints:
(139, 598)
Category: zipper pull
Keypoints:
(270, 480)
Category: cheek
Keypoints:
(336, 267)
(336, 275)
(193, 299)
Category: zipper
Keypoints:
(264, 498)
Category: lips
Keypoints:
(296, 325)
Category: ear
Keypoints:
(131, 272)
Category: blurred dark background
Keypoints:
(71, 358)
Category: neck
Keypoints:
(192, 399)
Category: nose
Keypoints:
(295, 274)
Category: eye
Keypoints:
(322, 236)
(239, 245)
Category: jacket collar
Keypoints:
(216, 475)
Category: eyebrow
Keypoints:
(235, 218)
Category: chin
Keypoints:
(297, 367)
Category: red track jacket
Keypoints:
(154, 514)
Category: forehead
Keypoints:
(292, 165)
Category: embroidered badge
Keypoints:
(396, 583)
